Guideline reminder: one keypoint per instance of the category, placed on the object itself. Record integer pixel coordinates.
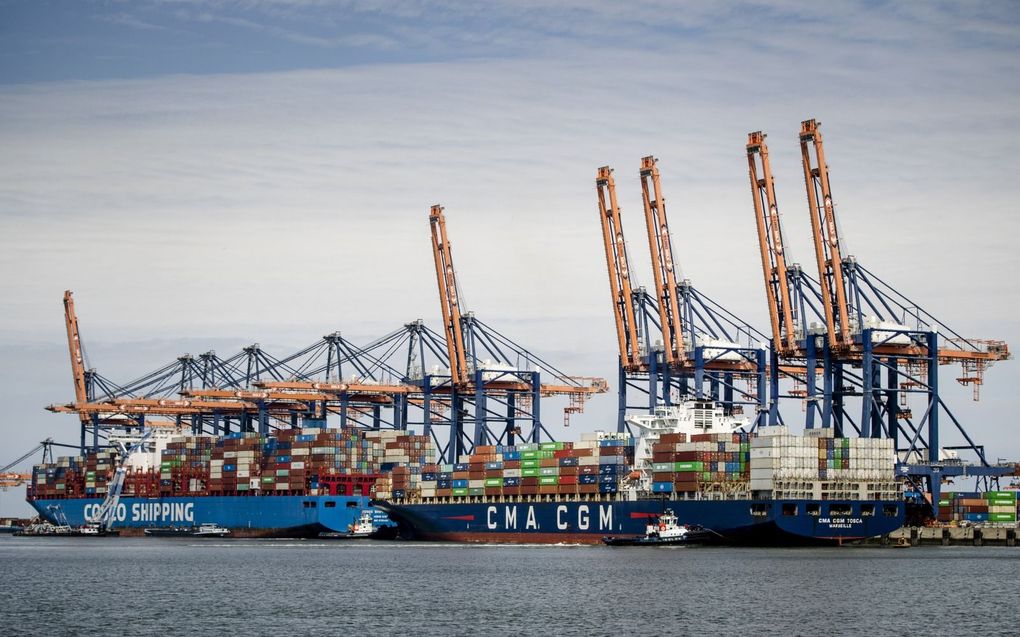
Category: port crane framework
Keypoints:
(250, 391)
(397, 381)
(857, 333)
(706, 352)
(490, 380)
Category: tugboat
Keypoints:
(206, 529)
(363, 528)
(665, 530)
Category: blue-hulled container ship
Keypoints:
(295, 483)
(288, 516)
(766, 488)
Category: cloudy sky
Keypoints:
(205, 175)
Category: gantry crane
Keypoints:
(866, 325)
(660, 246)
(700, 339)
(503, 390)
(632, 349)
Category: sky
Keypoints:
(205, 175)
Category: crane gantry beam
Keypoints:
(660, 246)
(619, 271)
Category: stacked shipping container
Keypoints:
(598, 464)
(296, 461)
(820, 467)
(707, 463)
(999, 507)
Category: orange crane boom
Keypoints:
(74, 348)
(449, 299)
(619, 271)
(826, 236)
(663, 265)
(772, 246)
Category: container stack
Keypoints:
(995, 507)
(820, 467)
(235, 463)
(184, 467)
(598, 464)
(99, 466)
(707, 463)
(309, 461)
(61, 479)
(403, 458)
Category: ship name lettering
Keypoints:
(163, 512)
(490, 518)
(582, 517)
(90, 512)
(560, 524)
(511, 518)
(605, 517)
(531, 522)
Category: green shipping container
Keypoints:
(551, 446)
(283, 472)
(476, 491)
(528, 455)
(995, 495)
(549, 480)
(494, 482)
(267, 480)
(706, 475)
(1002, 517)
(529, 473)
(944, 503)
(460, 491)
(660, 467)
(688, 466)
(1006, 502)
(529, 464)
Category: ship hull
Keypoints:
(729, 522)
(245, 516)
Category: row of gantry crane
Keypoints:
(856, 354)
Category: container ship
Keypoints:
(294, 483)
(763, 488)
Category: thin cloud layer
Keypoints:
(237, 200)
